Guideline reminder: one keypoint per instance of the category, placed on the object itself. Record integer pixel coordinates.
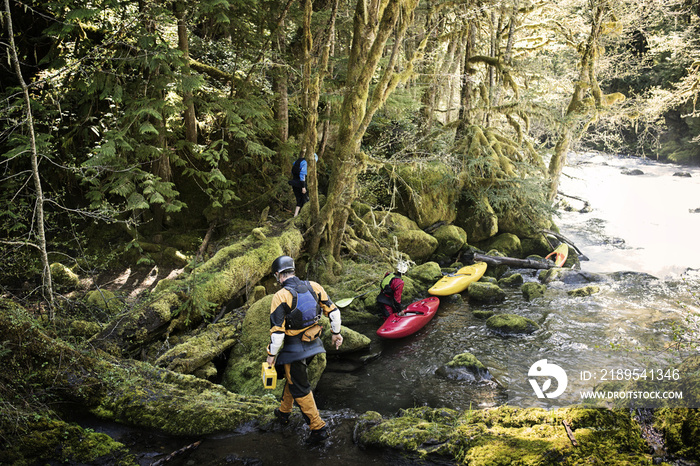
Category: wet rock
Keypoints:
(694, 211)
(575, 277)
(511, 323)
(683, 174)
(533, 290)
(632, 172)
(485, 292)
(465, 367)
(583, 292)
(513, 280)
(481, 314)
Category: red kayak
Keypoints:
(416, 315)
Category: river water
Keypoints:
(639, 224)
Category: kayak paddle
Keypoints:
(347, 301)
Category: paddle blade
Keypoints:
(344, 302)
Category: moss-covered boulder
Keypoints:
(383, 223)
(451, 239)
(243, 372)
(425, 274)
(532, 290)
(506, 243)
(513, 280)
(465, 367)
(428, 192)
(508, 324)
(418, 244)
(485, 292)
(477, 218)
(508, 435)
(64, 277)
(103, 299)
(535, 246)
(584, 291)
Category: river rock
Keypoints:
(437, 188)
(482, 314)
(695, 210)
(632, 172)
(585, 291)
(511, 323)
(478, 219)
(485, 292)
(515, 279)
(465, 367)
(533, 290)
(683, 174)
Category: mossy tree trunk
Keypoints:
(374, 23)
(578, 112)
(311, 94)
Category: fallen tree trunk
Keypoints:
(130, 392)
(513, 262)
(182, 304)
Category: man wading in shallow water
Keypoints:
(294, 315)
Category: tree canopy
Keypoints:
(153, 114)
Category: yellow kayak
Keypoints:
(559, 255)
(458, 281)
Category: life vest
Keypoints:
(385, 285)
(386, 294)
(305, 309)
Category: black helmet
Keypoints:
(283, 264)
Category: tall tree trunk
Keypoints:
(180, 11)
(373, 24)
(465, 98)
(578, 111)
(47, 287)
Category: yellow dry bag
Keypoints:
(269, 376)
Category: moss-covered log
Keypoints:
(232, 269)
(130, 392)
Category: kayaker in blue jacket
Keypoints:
(298, 183)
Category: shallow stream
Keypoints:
(640, 224)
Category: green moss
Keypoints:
(47, 440)
(485, 292)
(511, 323)
(481, 314)
(512, 280)
(533, 290)
(104, 299)
(583, 292)
(506, 243)
(418, 244)
(508, 435)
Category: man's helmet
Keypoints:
(283, 264)
(402, 267)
